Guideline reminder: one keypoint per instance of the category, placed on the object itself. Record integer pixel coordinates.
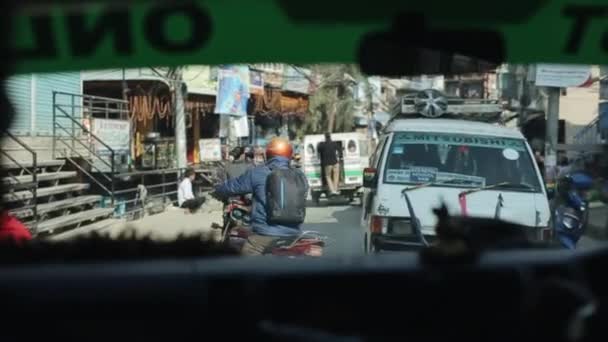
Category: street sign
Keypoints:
(562, 75)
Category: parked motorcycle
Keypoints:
(570, 213)
(236, 229)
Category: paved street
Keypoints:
(337, 220)
(340, 223)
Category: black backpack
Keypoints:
(286, 196)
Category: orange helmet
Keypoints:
(279, 147)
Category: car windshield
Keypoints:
(125, 119)
(460, 160)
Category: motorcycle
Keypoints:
(571, 208)
(235, 231)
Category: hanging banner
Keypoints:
(562, 75)
(256, 82)
(233, 90)
(210, 150)
(117, 135)
(224, 126)
(240, 126)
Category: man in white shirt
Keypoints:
(185, 196)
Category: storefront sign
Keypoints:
(233, 90)
(562, 75)
(426, 82)
(210, 150)
(117, 135)
(296, 80)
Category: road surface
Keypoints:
(337, 220)
(340, 223)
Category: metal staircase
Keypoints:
(47, 198)
(66, 189)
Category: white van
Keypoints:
(476, 169)
(355, 152)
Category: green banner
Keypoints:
(84, 36)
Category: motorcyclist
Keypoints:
(278, 155)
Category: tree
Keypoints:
(332, 104)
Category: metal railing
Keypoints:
(70, 112)
(72, 138)
(165, 189)
(135, 202)
(32, 171)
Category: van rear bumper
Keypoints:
(399, 242)
(345, 187)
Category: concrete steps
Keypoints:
(73, 220)
(41, 177)
(47, 208)
(99, 226)
(16, 196)
(10, 165)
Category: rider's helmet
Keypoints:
(279, 147)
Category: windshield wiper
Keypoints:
(449, 181)
(499, 185)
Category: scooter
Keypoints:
(570, 214)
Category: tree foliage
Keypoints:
(332, 104)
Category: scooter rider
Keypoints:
(278, 155)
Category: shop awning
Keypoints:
(275, 102)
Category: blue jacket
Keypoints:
(254, 182)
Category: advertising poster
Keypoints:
(117, 135)
(210, 150)
(232, 90)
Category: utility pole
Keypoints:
(521, 74)
(552, 131)
(181, 147)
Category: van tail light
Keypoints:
(378, 224)
(369, 177)
(369, 172)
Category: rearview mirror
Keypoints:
(370, 178)
(411, 48)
